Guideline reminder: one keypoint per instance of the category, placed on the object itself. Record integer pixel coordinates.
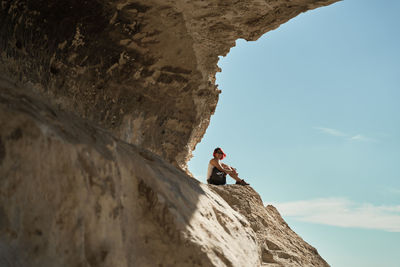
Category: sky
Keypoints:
(309, 115)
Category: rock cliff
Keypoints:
(101, 104)
(144, 70)
(277, 244)
(71, 194)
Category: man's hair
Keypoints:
(217, 150)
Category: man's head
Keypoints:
(219, 153)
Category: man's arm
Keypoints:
(228, 167)
(221, 166)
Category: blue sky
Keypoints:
(309, 115)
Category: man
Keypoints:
(217, 171)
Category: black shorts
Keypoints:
(217, 177)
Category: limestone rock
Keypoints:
(278, 245)
(142, 69)
(73, 195)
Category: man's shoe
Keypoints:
(242, 182)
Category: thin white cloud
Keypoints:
(344, 213)
(330, 131)
(334, 132)
(360, 137)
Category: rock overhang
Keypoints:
(143, 70)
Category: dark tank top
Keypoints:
(217, 177)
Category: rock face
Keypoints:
(101, 104)
(278, 245)
(144, 70)
(73, 195)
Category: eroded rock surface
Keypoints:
(278, 245)
(144, 70)
(73, 195)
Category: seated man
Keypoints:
(217, 171)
